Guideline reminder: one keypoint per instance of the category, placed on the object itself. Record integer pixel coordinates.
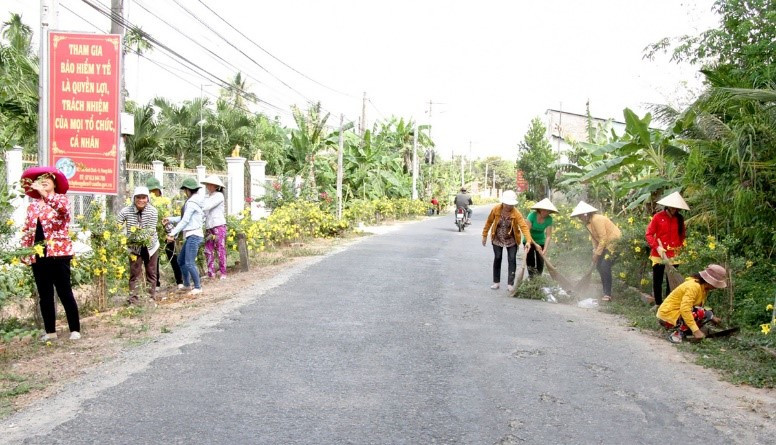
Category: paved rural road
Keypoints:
(396, 339)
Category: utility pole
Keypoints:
(362, 124)
(485, 183)
(462, 164)
(340, 172)
(415, 163)
(117, 27)
(47, 18)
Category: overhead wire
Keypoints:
(202, 71)
(169, 68)
(219, 35)
(272, 55)
(254, 61)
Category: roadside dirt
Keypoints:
(30, 371)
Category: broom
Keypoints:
(584, 281)
(674, 277)
(562, 280)
(519, 274)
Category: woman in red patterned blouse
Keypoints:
(46, 229)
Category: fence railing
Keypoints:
(171, 177)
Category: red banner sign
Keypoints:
(521, 183)
(84, 110)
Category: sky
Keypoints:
(487, 66)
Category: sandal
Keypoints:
(606, 298)
(495, 286)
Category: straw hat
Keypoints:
(674, 200)
(61, 185)
(583, 208)
(140, 190)
(213, 179)
(545, 204)
(509, 198)
(715, 275)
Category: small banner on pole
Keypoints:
(83, 120)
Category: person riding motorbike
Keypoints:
(463, 199)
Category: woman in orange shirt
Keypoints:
(505, 224)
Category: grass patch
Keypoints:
(294, 252)
(12, 386)
(268, 261)
(737, 359)
(133, 311)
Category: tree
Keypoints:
(537, 160)
(742, 45)
(18, 86)
(236, 92)
(729, 130)
(306, 141)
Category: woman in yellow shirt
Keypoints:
(683, 312)
(604, 235)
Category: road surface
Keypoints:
(396, 339)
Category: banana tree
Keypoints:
(307, 140)
(631, 170)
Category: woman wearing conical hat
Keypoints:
(665, 235)
(540, 223)
(605, 236)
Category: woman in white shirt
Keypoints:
(215, 225)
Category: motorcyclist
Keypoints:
(463, 199)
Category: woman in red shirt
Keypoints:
(46, 225)
(665, 235)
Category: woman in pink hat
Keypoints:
(682, 311)
(46, 225)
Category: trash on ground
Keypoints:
(588, 303)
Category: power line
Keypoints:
(308, 100)
(217, 56)
(169, 68)
(271, 55)
(203, 72)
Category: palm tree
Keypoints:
(236, 92)
(306, 141)
(17, 34)
(18, 86)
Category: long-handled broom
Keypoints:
(674, 277)
(519, 274)
(562, 280)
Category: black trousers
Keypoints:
(498, 252)
(51, 273)
(172, 258)
(535, 262)
(604, 267)
(658, 274)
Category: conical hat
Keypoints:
(675, 201)
(545, 204)
(213, 179)
(583, 208)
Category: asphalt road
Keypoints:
(396, 340)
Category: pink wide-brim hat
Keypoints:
(61, 185)
(715, 275)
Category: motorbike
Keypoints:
(461, 218)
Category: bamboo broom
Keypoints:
(557, 276)
(674, 277)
